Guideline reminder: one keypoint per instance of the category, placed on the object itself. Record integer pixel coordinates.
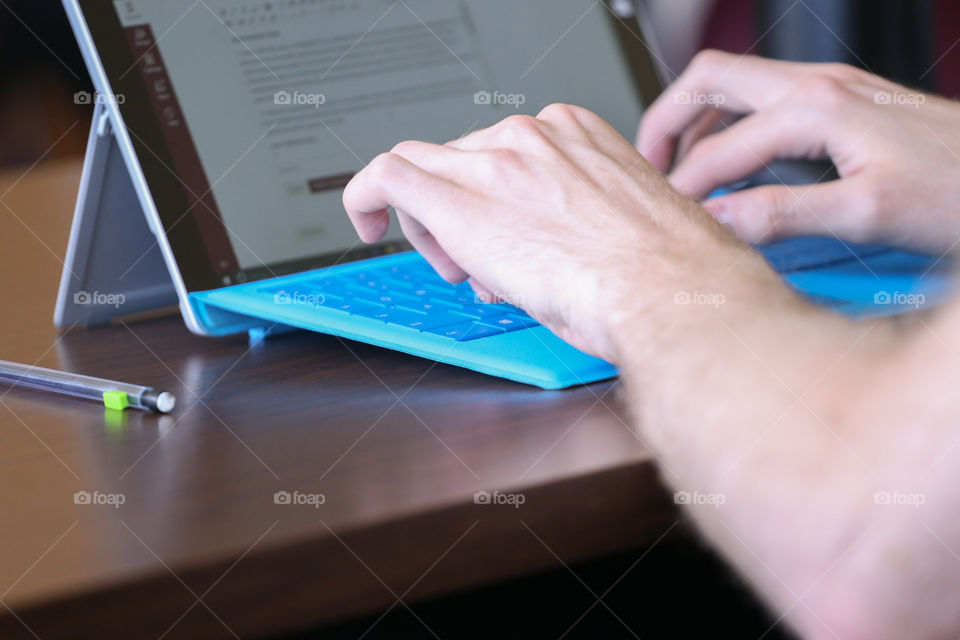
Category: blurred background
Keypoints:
(912, 41)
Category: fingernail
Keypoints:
(718, 209)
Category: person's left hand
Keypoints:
(558, 214)
(894, 149)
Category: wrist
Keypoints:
(730, 290)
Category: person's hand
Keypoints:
(897, 151)
(558, 214)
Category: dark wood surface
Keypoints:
(397, 446)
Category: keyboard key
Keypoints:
(389, 298)
(393, 315)
(371, 286)
(437, 319)
(443, 292)
(429, 307)
(350, 306)
(410, 295)
(403, 284)
(467, 331)
(331, 287)
(484, 311)
(512, 323)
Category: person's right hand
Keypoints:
(897, 150)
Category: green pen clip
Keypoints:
(117, 400)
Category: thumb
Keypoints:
(763, 214)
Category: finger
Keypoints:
(708, 124)
(572, 117)
(484, 294)
(751, 144)
(590, 127)
(738, 84)
(764, 214)
(438, 159)
(393, 181)
(516, 131)
(525, 131)
(486, 138)
(426, 245)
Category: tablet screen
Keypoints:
(249, 117)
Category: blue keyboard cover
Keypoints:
(412, 296)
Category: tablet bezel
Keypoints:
(170, 201)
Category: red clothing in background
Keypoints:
(732, 27)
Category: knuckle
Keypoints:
(557, 109)
(708, 60)
(567, 112)
(404, 148)
(782, 211)
(520, 124)
(822, 91)
(526, 131)
(383, 167)
(845, 73)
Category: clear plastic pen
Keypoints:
(114, 395)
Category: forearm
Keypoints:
(760, 409)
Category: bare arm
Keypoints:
(839, 417)
(742, 390)
(819, 455)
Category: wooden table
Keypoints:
(199, 547)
